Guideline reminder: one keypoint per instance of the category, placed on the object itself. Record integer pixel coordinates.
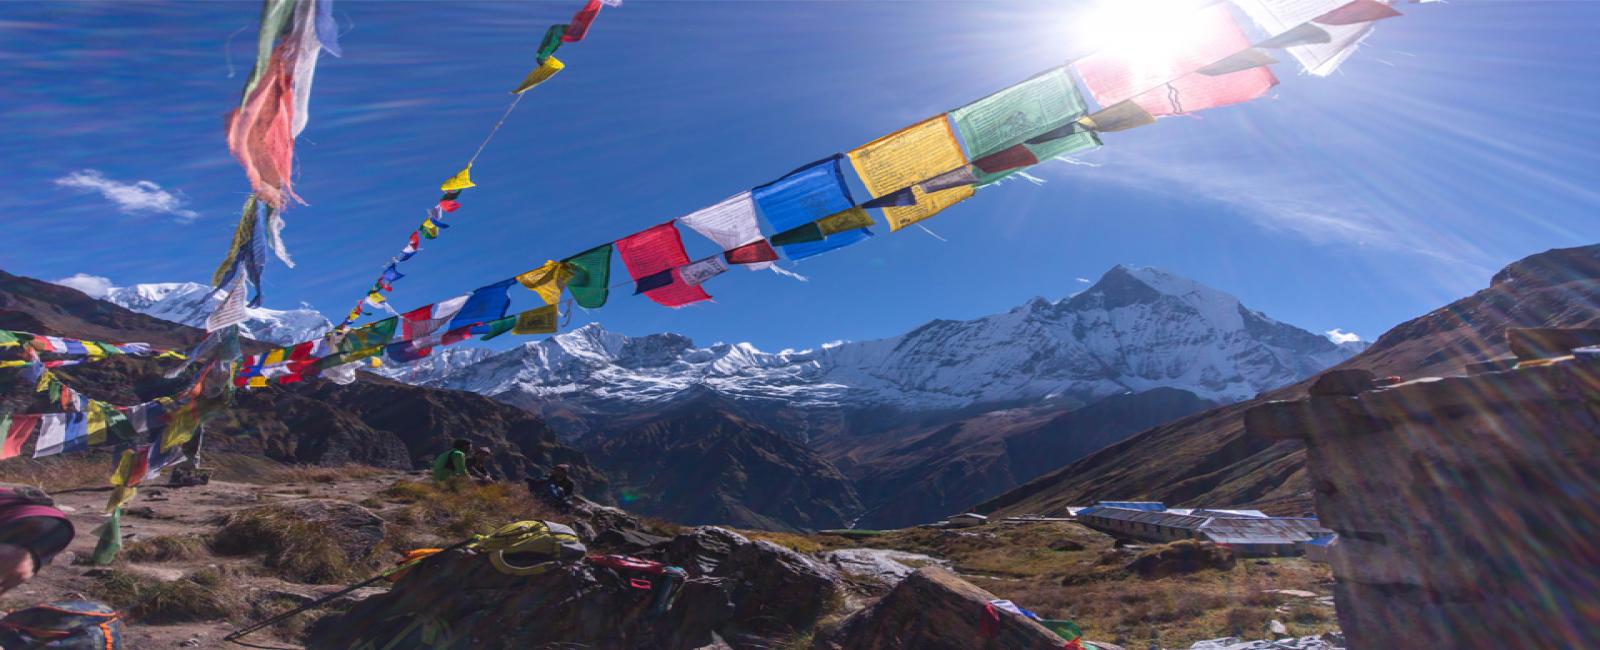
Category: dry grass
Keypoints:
(165, 548)
(448, 512)
(1086, 582)
(294, 548)
(791, 541)
(198, 597)
(248, 468)
(64, 472)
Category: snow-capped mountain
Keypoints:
(440, 363)
(1134, 330)
(190, 303)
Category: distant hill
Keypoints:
(1205, 459)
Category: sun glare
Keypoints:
(1142, 31)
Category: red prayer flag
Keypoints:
(658, 249)
(1117, 74)
(449, 206)
(1006, 159)
(17, 435)
(579, 26)
(1197, 91)
(1358, 11)
(752, 253)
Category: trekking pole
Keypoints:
(256, 627)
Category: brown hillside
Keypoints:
(1206, 459)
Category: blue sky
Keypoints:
(1462, 137)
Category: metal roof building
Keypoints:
(1244, 531)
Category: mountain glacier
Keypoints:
(1134, 330)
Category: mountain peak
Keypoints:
(189, 303)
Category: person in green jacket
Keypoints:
(453, 462)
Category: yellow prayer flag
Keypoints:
(257, 382)
(181, 424)
(429, 229)
(96, 424)
(906, 157)
(13, 364)
(540, 75)
(462, 180)
(537, 321)
(376, 362)
(1119, 117)
(275, 356)
(548, 281)
(119, 476)
(94, 349)
(120, 496)
(45, 379)
(838, 222)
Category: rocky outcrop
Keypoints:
(748, 594)
(934, 610)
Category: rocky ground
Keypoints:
(199, 562)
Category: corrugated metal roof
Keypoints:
(1150, 506)
(1270, 530)
(1167, 519)
(1209, 512)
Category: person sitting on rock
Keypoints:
(453, 462)
(32, 532)
(557, 489)
(478, 465)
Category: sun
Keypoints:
(1143, 32)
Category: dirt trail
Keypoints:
(162, 511)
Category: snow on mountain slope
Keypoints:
(441, 363)
(1134, 330)
(189, 303)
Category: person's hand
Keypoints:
(16, 566)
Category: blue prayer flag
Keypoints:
(484, 305)
(805, 195)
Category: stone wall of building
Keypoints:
(1467, 508)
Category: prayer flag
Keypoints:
(7, 339)
(484, 304)
(1121, 73)
(899, 198)
(62, 432)
(1244, 60)
(390, 276)
(124, 470)
(413, 245)
(537, 321)
(845, 220)
(181, 423)
(1320, 49)
(798, 235)
(805, 195)
(160, 459)
(581, 21)
(1004, 160)
(652, 251)
(375, 299)
(752, 253)
(1199, 91)
(1120, 117)
(404, 352)
(422, 321)
(652, 282)
(959, 177)
(430, 229)
(497, 327)
(551, 42)
(231, 311)
(95, 429)
(1356, 12)
(449, 205)
(696, 273)
(371, 334)
(110, 540)
(548, 281)
(591, 276)
(547, 69)
(462, 180)
(730, 223)
(908, 156)
(451, 337)
(18, 429)
(327, 29)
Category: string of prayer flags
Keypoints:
(754, 252)
(422, 321)
(579, 27)
(549, 280)
(652, 251)
(1118, 74)
(484, 304)
(997, 124)
(906, 158)
(369, 335)
(412, 246)
(390, 276)
(591, 276)
(696, 273)
(1339, 27)
(820, 229)
(61, 432)
(958, 177)
(652, 282)
(804, 195)
(730, 223)
(546, 69)
(18, 430)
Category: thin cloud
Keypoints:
(1338, 335)
(94, 286)
(138, 197)
(1083, 280)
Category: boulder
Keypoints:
(1183, 556)
(614, 530)
(875, 565)
(753, 594)
(933, 609)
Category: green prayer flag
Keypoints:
(242, 234)
(274, 18)
(7, 337)
(591, 276)
(55, 391)
(498, 326)
(110, 542)
(1012, 116)
(551, 42)
(1064, 629)
(798, 235)
(369, 335)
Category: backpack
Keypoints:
(62, 625)
(528, 547)
(643, 578)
